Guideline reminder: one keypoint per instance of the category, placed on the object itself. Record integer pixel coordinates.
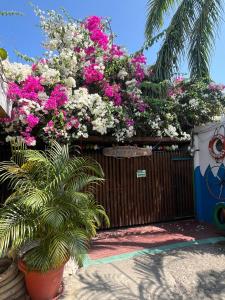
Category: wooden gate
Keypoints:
(166, 193)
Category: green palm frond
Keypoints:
(52, 203)
(33, 199)
(77, 184)
(175, 40)
(17, 148)
(12, 173)
(156, 10)
(15, 227)
(194, 25)
(203, 36)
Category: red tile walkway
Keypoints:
(115, 242)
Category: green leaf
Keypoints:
(3, 54)
(10, 13)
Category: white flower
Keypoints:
(70, 82)
(9, 138)
(132, 82)
(171, 131)
(50, 76)
(193, 103)
(16, 71)
(122, 74)
(174, 147)
(185, 136)
(42, 96)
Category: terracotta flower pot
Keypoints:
(42, 286)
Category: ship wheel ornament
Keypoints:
(215, 180)
(217, 144)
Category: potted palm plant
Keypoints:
(52, 208)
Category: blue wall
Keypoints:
(205, 202)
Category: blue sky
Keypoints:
(128, 22)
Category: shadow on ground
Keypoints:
(196, 273)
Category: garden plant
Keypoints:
(87, 85)
(51, 211)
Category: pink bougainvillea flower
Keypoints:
(113, 92)
(129, 122)
(93, 23)
(116, 51)
(74, 121)
(77, 49)
(50, 104)
(49, 127)
(14, 91)
(90, 50)
(117, 99)
(32, 120)
(34, 67)
(108, 90)
(29, 90)
(139, 73)
(142, 106)
(30, 140)
(139, 58)
(50, 124)
(216, 87)
(92, 74)
(100, 38)
(6, 120)
(57, 98)
(179, 79)
(32, 84)
(59, 93)
(170, 93)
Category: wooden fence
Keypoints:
(166, 193)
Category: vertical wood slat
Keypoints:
(165, 194)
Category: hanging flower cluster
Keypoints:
(196, 102)
(85, 85)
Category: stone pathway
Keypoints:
(196, 273)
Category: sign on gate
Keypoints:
(141, 173)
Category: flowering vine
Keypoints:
(88, 85)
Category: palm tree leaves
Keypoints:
(54, 216)
(194, 25)
(17, 148)
(15, 226)
(51, 203)
(60, 247)
(203, 36)
(174, 41)
(156, 10)
(12, 173)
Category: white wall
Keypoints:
(5, 106)
(202, 136)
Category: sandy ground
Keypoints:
(196, 273)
